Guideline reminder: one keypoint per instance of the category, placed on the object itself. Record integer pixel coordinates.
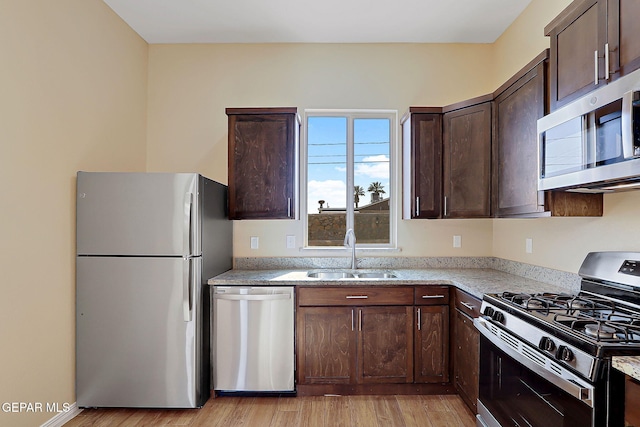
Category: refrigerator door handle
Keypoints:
(186, 289)
(186, 231)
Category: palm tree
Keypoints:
(376, 189)
(357, 192)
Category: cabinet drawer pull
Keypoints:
(432, 296)
(468, 306)
(357, 296)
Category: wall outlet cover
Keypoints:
(255, 242)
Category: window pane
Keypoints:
(326, 180)
(371, 180)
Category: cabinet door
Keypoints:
(517, 111)
(326, 345)
(432, 344)
(262, 164)
(422, 166)
(466, 359)
(467, 162)
(624, 36)
(577, 42)
(385, 352)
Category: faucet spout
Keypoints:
(350, 241)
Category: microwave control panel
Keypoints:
(630, 267)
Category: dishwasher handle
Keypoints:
(258, 297)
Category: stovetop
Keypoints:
(588, 319)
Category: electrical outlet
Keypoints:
(457, 241)
(528, 245)
(291, 242)
(255, 242)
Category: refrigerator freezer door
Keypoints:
(133, 345)
(149, 214)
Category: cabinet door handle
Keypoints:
(595, 67)
(468, 306)
(359, 320)
(419, 319)
(289, 207)
(357, 296)
(417, 206)
(445, 206)
(432, 296)
(352, 324)
(606, 61)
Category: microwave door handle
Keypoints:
(627, 125)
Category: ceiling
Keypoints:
(321, 21)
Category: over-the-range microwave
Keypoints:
(593, 144)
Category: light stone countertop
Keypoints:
(476, 281)
(630, 365)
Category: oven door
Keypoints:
(516, 391)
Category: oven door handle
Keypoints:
(534, 360)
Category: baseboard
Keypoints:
(63, 417)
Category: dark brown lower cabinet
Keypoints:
(344, 345)
(372, 340)
(466, 348)
(385, 353)
(326, 345)
(466, 360)
(631, 402)
(432, 344)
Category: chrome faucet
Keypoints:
(350, 241)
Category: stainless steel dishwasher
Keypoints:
(253, 348)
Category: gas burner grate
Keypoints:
(604, 328)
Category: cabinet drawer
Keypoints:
(468, 304)
(432, 295)
(324, 296)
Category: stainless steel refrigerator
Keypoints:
(146, 245)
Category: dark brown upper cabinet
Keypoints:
(518, 105)
(592, 42)
(422, 162)
(263, 163)
(467, 159)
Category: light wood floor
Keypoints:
(317, 411)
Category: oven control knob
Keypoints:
(498, 316)
(546, 344)
(488, 311)
(564, 354)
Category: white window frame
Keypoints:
(395, 195)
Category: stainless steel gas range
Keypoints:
(545, 359)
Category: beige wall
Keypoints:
(190, 86)
(72, 96)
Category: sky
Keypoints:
(327, 154)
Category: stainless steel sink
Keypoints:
(351, 274)
(330, 275)
(377, 275)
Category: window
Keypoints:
(349, 177)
